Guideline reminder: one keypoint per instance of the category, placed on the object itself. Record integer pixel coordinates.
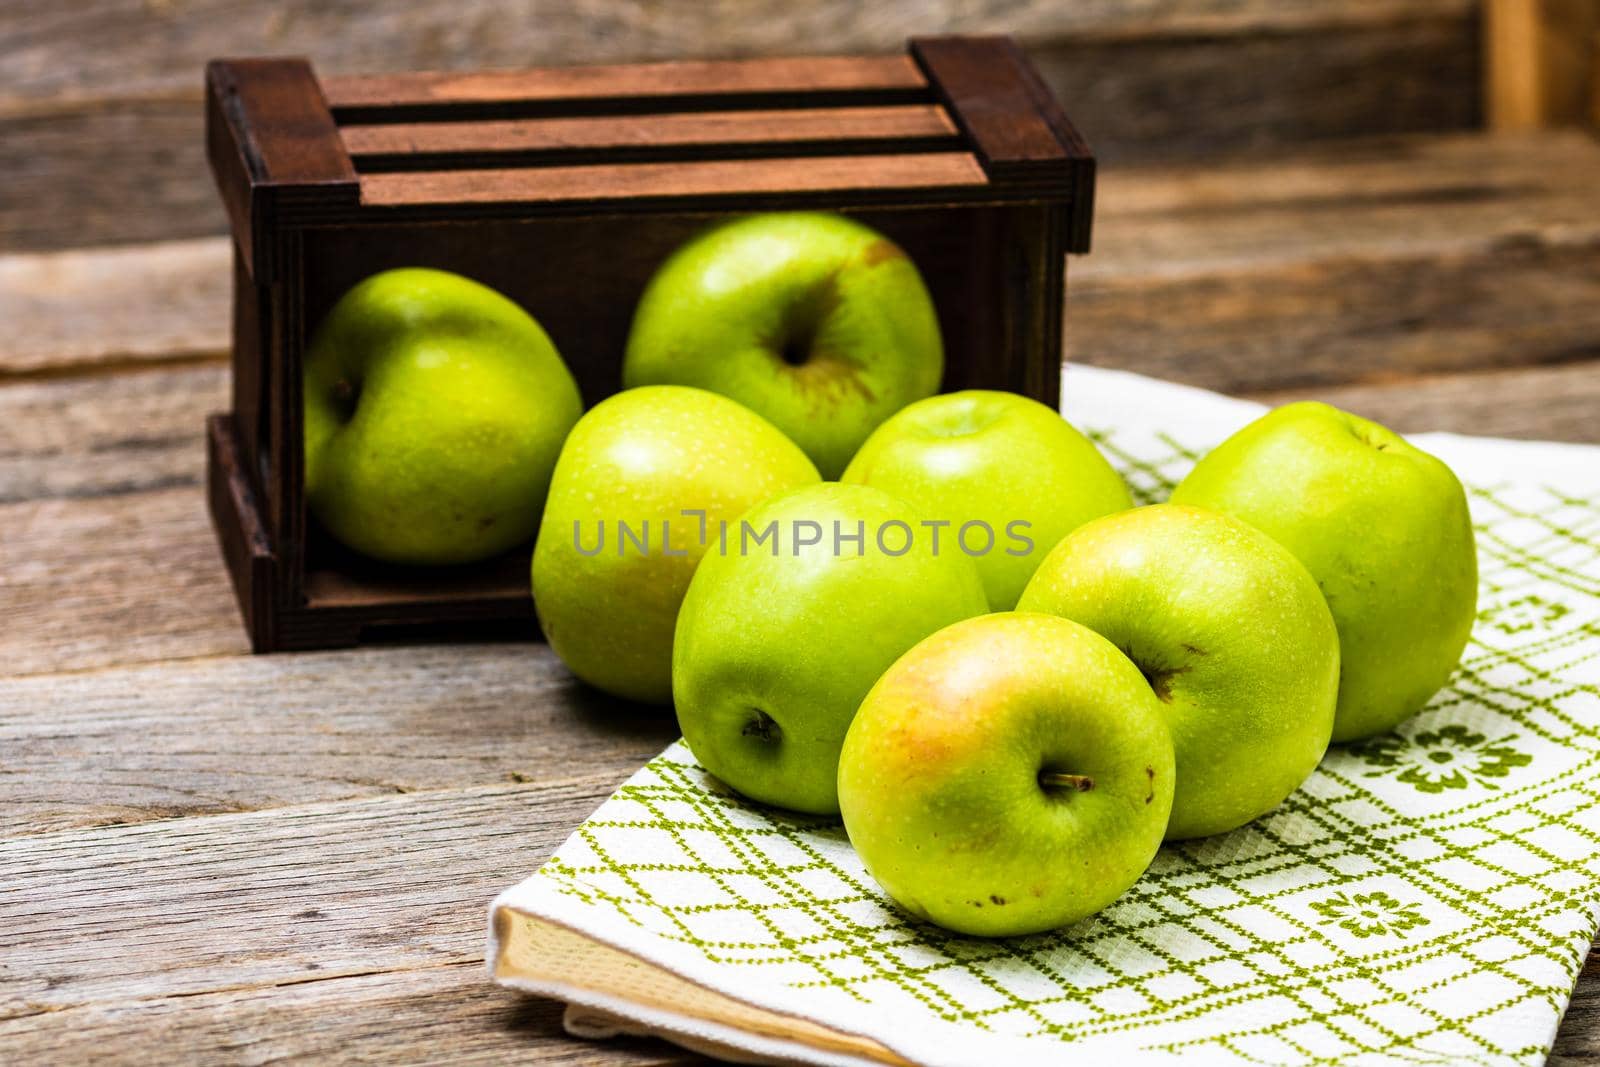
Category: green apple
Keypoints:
(1010, 475)
(816, 322)
(434, 411)
(1009, 775)
(1384, 529)
(1233, 636)
(645, 480)
(778, 641)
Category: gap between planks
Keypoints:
(245, 733)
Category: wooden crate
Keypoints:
(564, 189)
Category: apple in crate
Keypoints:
(778, 641)
(1384, 529)
(1009, 775)
(434, 411)
(1233, 636)
(816, 322)
(1015, 470)
(645, 480)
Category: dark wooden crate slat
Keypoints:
(246, 548)
(1013, 122)
(417, 145)
(271, 140)
(346, 581)
(594, 86)
(680, 180)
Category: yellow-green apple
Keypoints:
(1384, 529)
(1010, 475)
(644, 481)
(434, 411)
(816, 322)
(1233, 636)
(784, 631)
(1009, 775)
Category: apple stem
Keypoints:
(761, 726)
(1082, 783)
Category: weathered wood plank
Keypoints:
(108, 433)
(675, 77)
(344, 929)
(110, 580)
(1578, 1041)
(235, 902)
(110, 307)
(931, 173)
(448, 1013)
(383, 143)
(1199, 96)
(112, 47)
(1426, 255)
(1538, 403)
(1387, 195)
(244, 733)
(105, 171)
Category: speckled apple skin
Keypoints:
(1234, 637)
(722, 310)
(800, 636)
(434, 411)
(1384, 529)
(646, 455)
(998, 458)
(939, 778)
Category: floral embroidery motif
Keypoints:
(1372, 914)
(1451, 757)
(1523, 613)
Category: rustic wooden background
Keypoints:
(209, 856)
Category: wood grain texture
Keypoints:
(630, 184)
(1371, 261)
(106, 433)
(72, 170)
(244, 733)
(1578, 1041)
(110, 307)
(1397, 195)
(1560, 403)
(444, 1013)
(1201, 96)
(385, 144)
(272, 898)
(345, 930)
(108, 580)
(588, 84)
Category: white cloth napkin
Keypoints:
(1428, 896)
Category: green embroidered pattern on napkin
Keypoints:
(1427, 895)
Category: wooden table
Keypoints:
(210, 856)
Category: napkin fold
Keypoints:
(1426, 896)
